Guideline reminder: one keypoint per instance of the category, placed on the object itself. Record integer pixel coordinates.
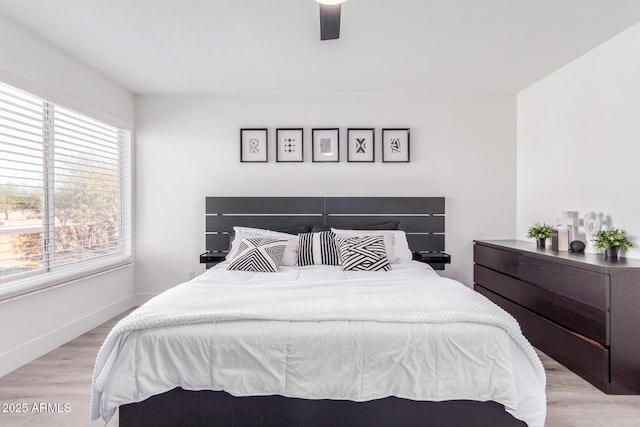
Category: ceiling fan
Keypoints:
(330, 19)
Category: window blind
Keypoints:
(65, 190)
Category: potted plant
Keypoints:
(611, 241)
(540, 232)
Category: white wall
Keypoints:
(36, 323)
(462, 147)
(34, 65)
(579, 139)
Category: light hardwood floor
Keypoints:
(64, 377)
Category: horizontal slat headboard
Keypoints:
(422, 218)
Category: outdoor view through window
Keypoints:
(64, 188)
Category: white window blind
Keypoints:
(65, 191)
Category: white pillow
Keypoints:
(395, 242)
(401, 246)
(290, 256)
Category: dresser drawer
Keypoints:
(569, 313)
(586, 358)
(504, 261)
(588, 287)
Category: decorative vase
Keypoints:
(611, 252)
(592, 224)
(540, 243)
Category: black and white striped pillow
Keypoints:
(365, 253)
(258, 254)
(317, 248)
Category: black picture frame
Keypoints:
(396, 145)
(254, 145)
(289, 145)
(325, 145)
(359, 150)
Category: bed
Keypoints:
(316, 345)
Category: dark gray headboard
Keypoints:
(422, 218)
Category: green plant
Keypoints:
(611, 238)
(539, 231)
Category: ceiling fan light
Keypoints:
(330, 19)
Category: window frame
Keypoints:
(56, 275)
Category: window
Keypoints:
(65, 191)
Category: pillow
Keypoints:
(387, 235)
(390, 225)
(295, 230)
(258, 254)
(395, 242)
(318, 248)
(290, 256)
(401, 246)
(366, 253)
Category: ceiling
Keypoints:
(273, 46)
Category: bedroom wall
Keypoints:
(462, 147)
(37, 323)
(579, 139)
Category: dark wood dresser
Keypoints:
(581, 309)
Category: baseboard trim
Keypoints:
(37, 347)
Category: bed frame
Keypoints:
(422, 218)
(217, 408)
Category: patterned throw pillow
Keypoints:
(365, 253)
(260, 254)
(317, 248)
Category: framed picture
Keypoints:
(361, 143)
(289, 145)
(395, 145)
(325, 145)
(253, 145)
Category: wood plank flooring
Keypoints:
(64, 377)
(61, 376)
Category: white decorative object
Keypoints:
(570, 222)
(592, 224)
(563, 240)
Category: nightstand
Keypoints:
(436, 260)
(212, 258)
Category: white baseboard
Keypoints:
(142, 298)
(31, 350)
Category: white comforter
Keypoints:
(319, 332)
